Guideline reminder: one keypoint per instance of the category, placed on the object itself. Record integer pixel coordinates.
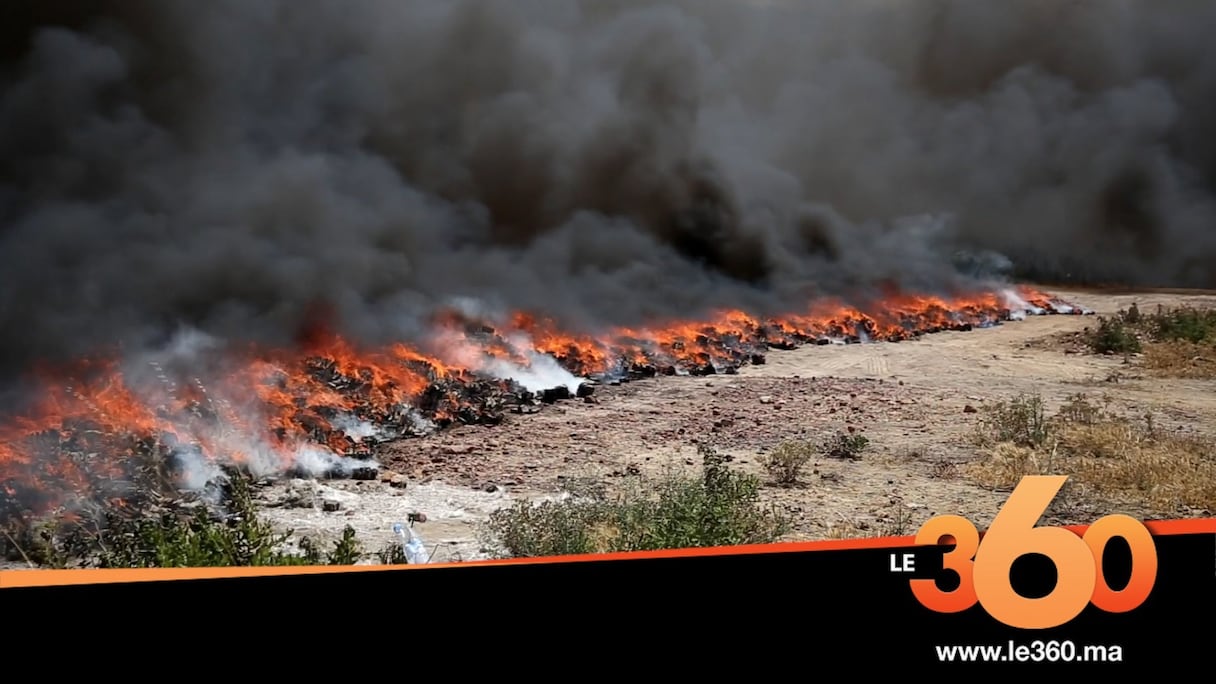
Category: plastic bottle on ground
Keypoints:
(415, 550)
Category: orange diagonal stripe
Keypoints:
(46, 578)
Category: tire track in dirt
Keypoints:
(877, 365)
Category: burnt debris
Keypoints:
(86, 462)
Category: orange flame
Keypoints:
(93, 431)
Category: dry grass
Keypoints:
(897, 520)
(603, 537)
(785, 462)
(1177, 342)
(943, 470)
(848, 529)
(1113, 456)
(1180, 359)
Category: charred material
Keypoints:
(347, 408)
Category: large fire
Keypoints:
(105, 428)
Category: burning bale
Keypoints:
(322, 410)
(364, 473)
(642, 370)
(555, 394)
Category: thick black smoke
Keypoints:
(233, 165)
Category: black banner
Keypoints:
(796, 609)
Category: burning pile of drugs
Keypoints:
(319, 411)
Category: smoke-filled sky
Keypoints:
(231, 165)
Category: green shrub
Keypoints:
(1182, 324)
(392, 554)
(1178, 324)
(207, 538)
(1021, 421)
(845, 445)
(1112, 336)
(720, 508)
(182, 534)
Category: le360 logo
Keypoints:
(983, 567)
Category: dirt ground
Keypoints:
(909, 399)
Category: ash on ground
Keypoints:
(322, 509)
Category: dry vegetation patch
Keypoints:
(721, 507)
(784, 464)
(1106, 453)
(1178, 342)
(1181, 359)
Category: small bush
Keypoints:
(392, 554)
(214, 539)
(346, 551)
(785, 463)
(845, 445)
(181, 534)
(1177, 342)
(1113, 337)
(1104, 452)
(1182, 324)
(1078, 409)
(720, 508)
(1021, 421)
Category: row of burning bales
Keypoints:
(320, 411)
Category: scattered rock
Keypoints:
(330, 505)
(299, 494)
(766, 399)
(399, 482)
(968, 409)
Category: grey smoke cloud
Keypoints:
(228, 165)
